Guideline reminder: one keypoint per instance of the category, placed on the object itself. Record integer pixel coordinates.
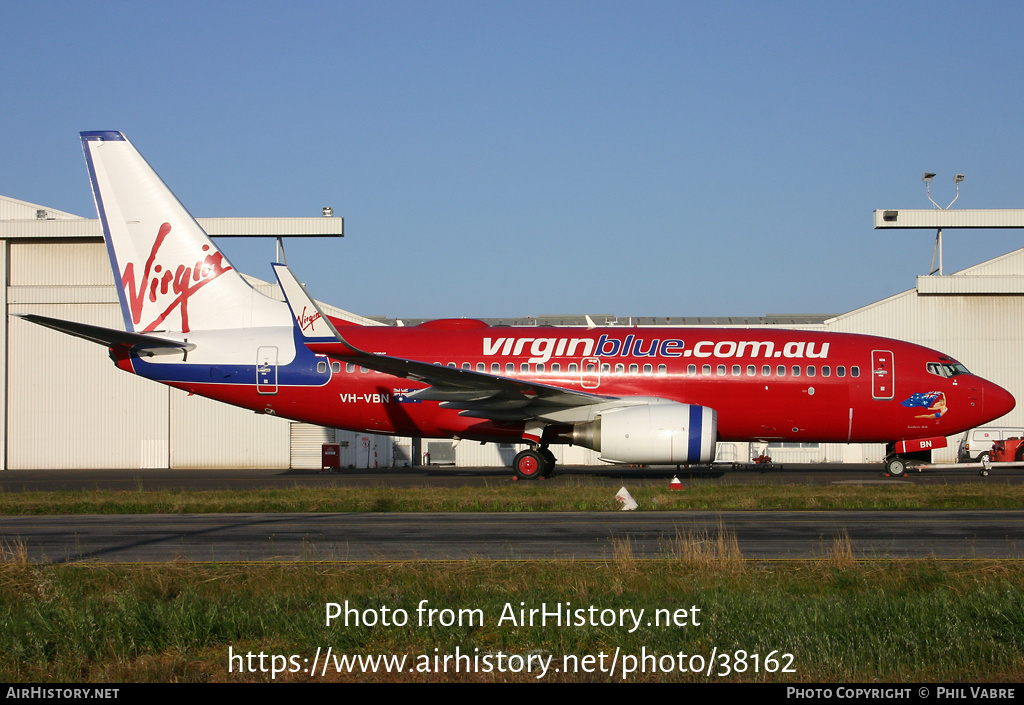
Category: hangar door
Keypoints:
(307, 445)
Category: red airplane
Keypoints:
(634, 395)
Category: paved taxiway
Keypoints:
(585, 535)
(439, 476)
(542, 535)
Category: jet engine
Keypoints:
(659, 433)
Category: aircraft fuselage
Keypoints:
(766, 384)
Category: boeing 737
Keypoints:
(635, 395)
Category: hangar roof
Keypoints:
(21, 219)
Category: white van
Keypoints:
(978, 441)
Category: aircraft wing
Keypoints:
(108, 337)
(476, 394)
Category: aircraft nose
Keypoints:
(997, 401)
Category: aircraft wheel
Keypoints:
(549, 461)
(528, 465)
(896, 466)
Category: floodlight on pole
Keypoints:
(927, 179)
(958, 179)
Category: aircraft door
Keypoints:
(266, 370)
(882, 375)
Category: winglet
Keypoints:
(311, 322)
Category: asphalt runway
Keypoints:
(506, 536)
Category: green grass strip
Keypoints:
(918, 621)
(522, 497)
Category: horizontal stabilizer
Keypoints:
(145, 344)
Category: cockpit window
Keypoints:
(947, 369)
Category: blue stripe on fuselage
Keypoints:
(300, 372)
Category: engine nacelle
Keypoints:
(662, 433)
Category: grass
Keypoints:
(842, 621)
(520, 497)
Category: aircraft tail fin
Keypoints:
(169, 275)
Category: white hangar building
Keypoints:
(66, 406)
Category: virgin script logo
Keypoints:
(168, 289)
(306, 321)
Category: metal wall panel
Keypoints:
(69, 407)
(210, 434)
(59, 263)
(991, 284)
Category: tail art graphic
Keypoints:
(172, 276)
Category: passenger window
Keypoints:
(648, 369)
(662, 369)
(524, 367)
(766, 370)
(321, 367)
(335, 367)
(573, 367)
(751, 370)
(780, 370)
(555, 367)
(510, 368)
(634, 369)
(840, 371)
(350, 367)
(855, 371)
(620, 368)
(540, 366)
(735, 370)
(481, 367)
(721, 370)
(796, 370)
(691, 370)
(606, 368)
(466, 366)
(495, 368)
(826, 371)
(811, 370)
(364, 370)
(706, 370)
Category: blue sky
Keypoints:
(520, 158)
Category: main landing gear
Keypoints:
(533, 463)
(895, 466)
